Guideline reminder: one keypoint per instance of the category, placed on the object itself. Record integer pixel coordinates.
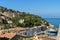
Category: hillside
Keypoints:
(11, 18)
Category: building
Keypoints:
(8, 36)
(21, 21)
(25, 33)
(9, 21)
(29, 32)
(1, 27)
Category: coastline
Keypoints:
(53, 21)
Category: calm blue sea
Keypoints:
(54, 21)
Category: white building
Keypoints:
(21, 21)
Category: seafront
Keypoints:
(34, 33)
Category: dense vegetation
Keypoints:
(29, 20)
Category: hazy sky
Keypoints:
(43, 8)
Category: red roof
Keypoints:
(8, 35)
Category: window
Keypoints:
(25, 33)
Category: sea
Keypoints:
(54, 21)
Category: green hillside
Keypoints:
(11, 18)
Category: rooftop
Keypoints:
(7, 35)
(16, 29)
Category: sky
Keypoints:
(43, 8)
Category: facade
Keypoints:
(29, 32)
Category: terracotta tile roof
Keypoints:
(21, 28)
(8, 35)
(18, 29)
